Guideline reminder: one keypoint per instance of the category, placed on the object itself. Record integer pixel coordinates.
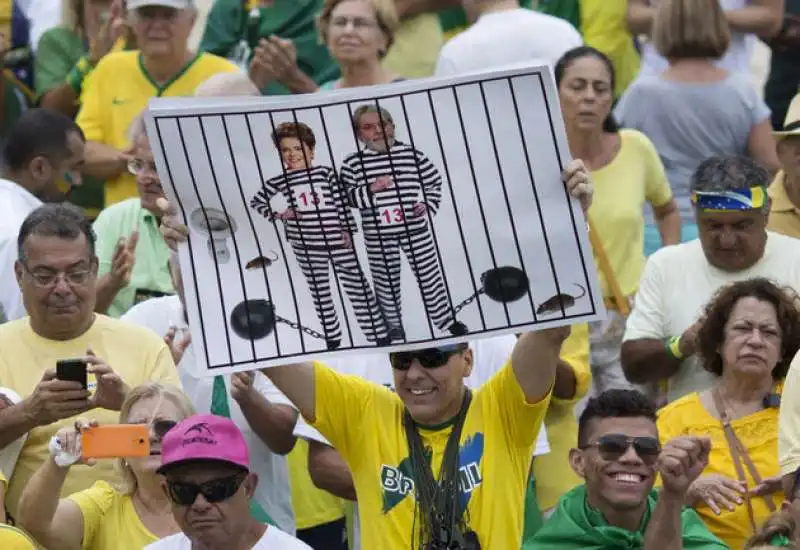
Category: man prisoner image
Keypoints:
(396, 188)
(319, 226)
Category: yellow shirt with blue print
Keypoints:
(364, 422)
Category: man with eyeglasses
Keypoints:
(119, 86)
(56, 270)
(42, 148)
(132, 254)
(619, 456)
(206, 469)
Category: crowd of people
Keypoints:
(672, 423)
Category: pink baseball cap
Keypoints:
(204, 437)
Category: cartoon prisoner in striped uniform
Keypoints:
(319, 226)
(397, 188)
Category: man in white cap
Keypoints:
(122, 83)
(784, 216)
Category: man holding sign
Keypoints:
(397, 189)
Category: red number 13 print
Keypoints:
(392, 216)
(308, 198)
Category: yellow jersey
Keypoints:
(135, 353)
(364, 422)
(312, 506)
(758, 432)
(118, 90)
(110, 519)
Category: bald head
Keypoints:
(227, 84)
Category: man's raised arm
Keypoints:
(296, 381)
(535, 359)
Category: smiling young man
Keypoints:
(619, 456)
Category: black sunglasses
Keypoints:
(161, 427)
(430, 358)
(214, 490)
(613, 446)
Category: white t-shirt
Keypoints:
(678, 282)
(273, 492)
(273, 539)
(736, 59)
(507, 37)
(15, 205)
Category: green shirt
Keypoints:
(150, 277)
(233, 31)
(576, 526)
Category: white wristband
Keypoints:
(61, 457)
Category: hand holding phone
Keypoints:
(115, 441)
(54, 399)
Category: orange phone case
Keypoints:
(116, 441)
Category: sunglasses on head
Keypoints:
(429, 358)
(612, 446)
(215, 490)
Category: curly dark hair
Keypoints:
(296, 130)
(712, 331)
(614, 403)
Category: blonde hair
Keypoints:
(227, 84)
(385, 15)
(146, 391)
(691, 29)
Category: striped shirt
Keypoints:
(317, 198)
(391, 211)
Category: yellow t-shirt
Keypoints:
(758, 433)
(621, 189)
(784, 217)
(416, 47)
(603, 27)
(12, 538)
(789, 421)
(135, 353)
(554, 476)
(119, 89)
(364, 422)
(312, 506)
(110, 520)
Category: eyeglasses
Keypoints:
(430, 358)
(215, 490)
(359, 23)
(137, 166)
(613, 446)
(161, 427)
(48, 278)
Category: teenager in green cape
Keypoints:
(619, 456)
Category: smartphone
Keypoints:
(116, 441)
(73, 370)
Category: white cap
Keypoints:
(176, 4)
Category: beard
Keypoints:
(379, 145)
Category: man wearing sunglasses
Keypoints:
(619, 457)
(372, 427)
(206, 467)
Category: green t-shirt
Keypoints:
(150, 277)
(575, 525)
(233, 31)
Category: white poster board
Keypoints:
(390, 217)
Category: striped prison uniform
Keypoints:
(315, 235)
(390, 225)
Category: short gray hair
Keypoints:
(137, 128)
(226, 85)
(62, 220)
(726, 173)
(385, 115)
